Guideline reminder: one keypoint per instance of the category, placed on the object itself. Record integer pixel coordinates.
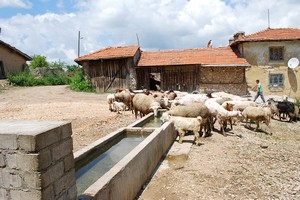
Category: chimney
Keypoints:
(238, 35)
(231, 40)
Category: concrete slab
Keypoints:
(180, 152)
(28, 127)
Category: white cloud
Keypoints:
(164, 24)
(15, 3)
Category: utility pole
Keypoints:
(78, 43)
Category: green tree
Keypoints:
(39, 61)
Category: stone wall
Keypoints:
(36, 160)
(227, 79)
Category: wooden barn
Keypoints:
(213, 69)
(218, 69)
(112, 67)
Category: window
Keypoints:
(276, 53)
(275, 80)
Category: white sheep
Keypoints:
(145, 104)
(239, 105)
(228, 95)
(194, 110)
(193, 98)
(184, 124)
(257, 114)
(126, 97)
(110, 99)
(119, 106)
(220, 113)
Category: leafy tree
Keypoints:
(58, 65)
(39, 61)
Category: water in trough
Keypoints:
(98, 164)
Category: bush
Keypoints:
(55, 80)
(28, 79)
(39, 61)
(24, 78)
(81, 83)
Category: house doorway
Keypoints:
(155, 81)
(2, 73)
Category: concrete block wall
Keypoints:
(36, 160)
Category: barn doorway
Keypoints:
(155, 81)
(2, 73)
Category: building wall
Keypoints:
(226, 79)
(107, 75)
(257, 54)
(291, 86)
(12, 61)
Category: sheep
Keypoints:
(192, 98)
(194, 110)
(283, 107)
(161, 99)
(257, 114)
(119, 106)
(119, 90)
(220, 113)
(239, 105)
(145, 104)
(110, 99)
(125, 97)
(171, 94)
(184, 124)
(228, 95)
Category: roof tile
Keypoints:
(203, 56)
(110, 52)
(273, 34)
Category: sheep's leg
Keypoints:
(230, 121)
(221, 122)
(135, 113)
(248, 125)
(181, 135)
(196, 133)
(257, 125)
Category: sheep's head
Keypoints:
(164, 117)
(229, 106)
(155, 108)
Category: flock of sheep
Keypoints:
(199, 112)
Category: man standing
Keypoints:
(259, 91)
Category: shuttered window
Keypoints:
(276, 80)
(276, 53)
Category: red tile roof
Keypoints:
(110, 53)
(222, 56)
(272, 35)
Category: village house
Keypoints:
(12, 60)
(213, 69)
(268, 52)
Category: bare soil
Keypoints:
(244, 165)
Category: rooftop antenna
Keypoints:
(138, 40)
(268, 19)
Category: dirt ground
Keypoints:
(244, 165)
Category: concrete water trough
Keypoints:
(130, 170)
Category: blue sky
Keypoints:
(37, 7)
(50, 27)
